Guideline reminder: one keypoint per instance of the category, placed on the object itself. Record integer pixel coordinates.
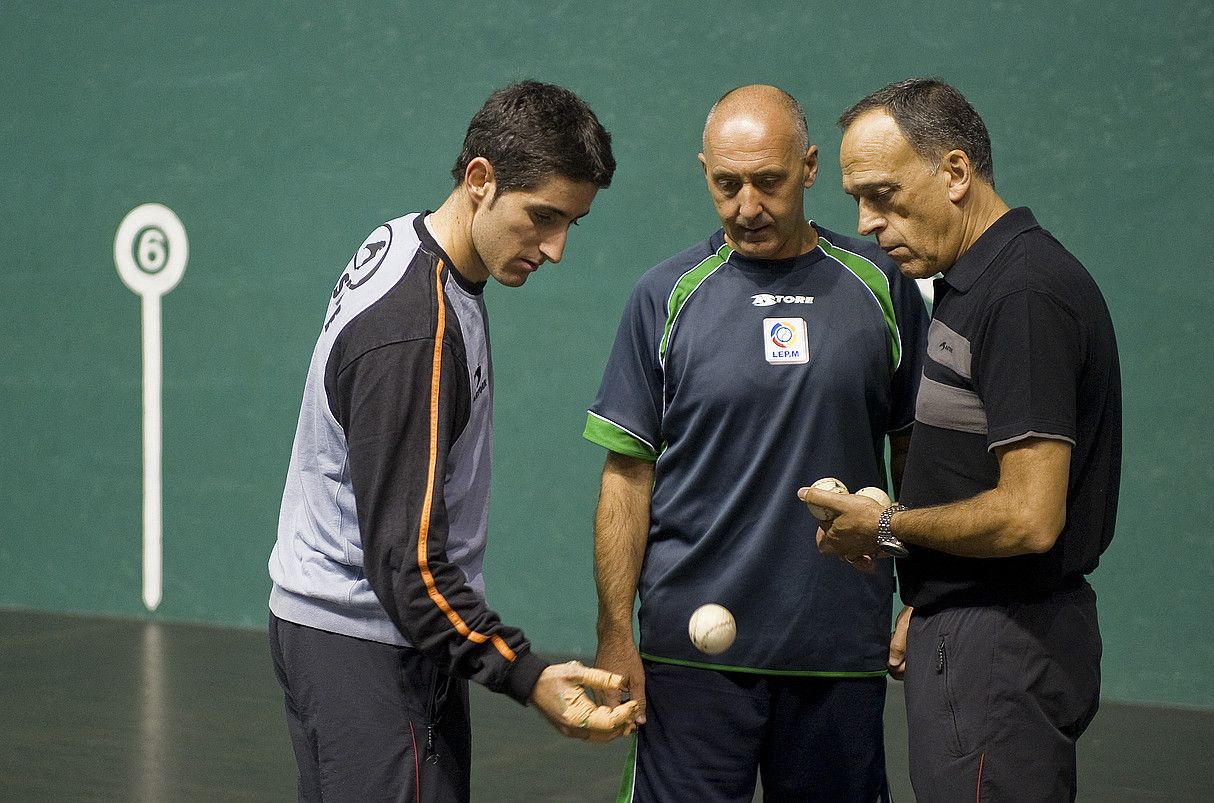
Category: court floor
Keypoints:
(110, 709)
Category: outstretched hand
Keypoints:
(560, 695)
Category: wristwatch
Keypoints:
(886, 542)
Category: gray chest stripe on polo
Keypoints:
(949, 407)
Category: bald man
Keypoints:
(771, 354)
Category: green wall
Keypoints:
(281, 133)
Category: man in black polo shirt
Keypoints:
(1015, 459)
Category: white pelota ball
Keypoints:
(826, 484)
(712, 629)
(880, 496)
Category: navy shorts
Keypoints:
(997, 695)
(371, 721)
(709, 734)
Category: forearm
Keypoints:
(621, 528)
(430, 601)
(1023, 514)
(984, 526)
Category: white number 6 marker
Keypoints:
(150, 251)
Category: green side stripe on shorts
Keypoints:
(627, 784)
(787, 673)
(616, 439)
(877, 282)
(684, 287)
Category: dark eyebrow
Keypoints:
(556, 210)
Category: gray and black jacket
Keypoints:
(383, 523)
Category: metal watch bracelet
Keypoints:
(886, 542)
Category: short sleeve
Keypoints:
(1026, 368)
(626, 416)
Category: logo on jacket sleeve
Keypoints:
(785, 341)
(360, 268)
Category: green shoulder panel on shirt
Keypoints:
(684, 287)
(878, 283)
(617, 439)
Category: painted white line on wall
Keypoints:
(150, 252)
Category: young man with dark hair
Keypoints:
(1010, 491)
(378, 615)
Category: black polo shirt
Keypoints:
(1020, 345)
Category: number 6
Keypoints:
(151, 249)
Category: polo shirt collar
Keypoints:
(974, 262)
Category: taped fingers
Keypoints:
(599, 678)
(605, 724)
(578, 707)
(605, 718)
(597, 723)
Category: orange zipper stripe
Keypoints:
(424, 530)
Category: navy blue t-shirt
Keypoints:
(746, 380)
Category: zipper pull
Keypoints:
(431, 756)
(940, 657)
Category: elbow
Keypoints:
(1039, 543)
(1038, 534)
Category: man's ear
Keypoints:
(478, 181)
(811, 165)
(958, 173)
